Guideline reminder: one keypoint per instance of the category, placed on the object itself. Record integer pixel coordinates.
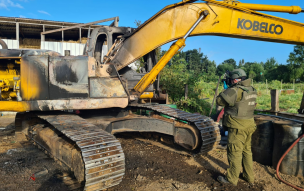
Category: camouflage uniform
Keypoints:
(239, 102)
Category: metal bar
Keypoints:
(204, 14)
(80, 25)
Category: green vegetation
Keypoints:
(195, 69)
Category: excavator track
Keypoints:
(209, 130)
(94, 155)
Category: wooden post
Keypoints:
(274, 100)
(294, 84)
(266, 87)
(281, 85)
(186, 91)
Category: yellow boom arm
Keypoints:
(227, 18)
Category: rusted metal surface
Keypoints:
(91, 67)
(106, 88)
(208, 129)
(102, 71)
(95, 156)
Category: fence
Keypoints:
(265, 87)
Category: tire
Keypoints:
(3, 44)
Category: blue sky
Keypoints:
(216, 48)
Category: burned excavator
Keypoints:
(42, 85)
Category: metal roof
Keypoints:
(39, 22)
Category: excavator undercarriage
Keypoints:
(87, 146)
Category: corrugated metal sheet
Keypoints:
(12, 44)
(76, 49)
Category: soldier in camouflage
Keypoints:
(239, 102)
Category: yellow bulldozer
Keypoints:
(42, 85)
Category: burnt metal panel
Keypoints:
(68, 77)
(106, 88)
(34, 78)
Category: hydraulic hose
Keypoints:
(281, 159)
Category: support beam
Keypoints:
(80, 35)
(17, 33)
(42, 35)
(115, 22)
(81, 25)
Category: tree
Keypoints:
(194, 60)
(270, 64)
(241, 63)
(296, 63)
(254, 70)
(230, 61)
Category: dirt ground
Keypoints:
(148, 168)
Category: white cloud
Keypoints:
(21, 16)
(8, 3)
(44, 12)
